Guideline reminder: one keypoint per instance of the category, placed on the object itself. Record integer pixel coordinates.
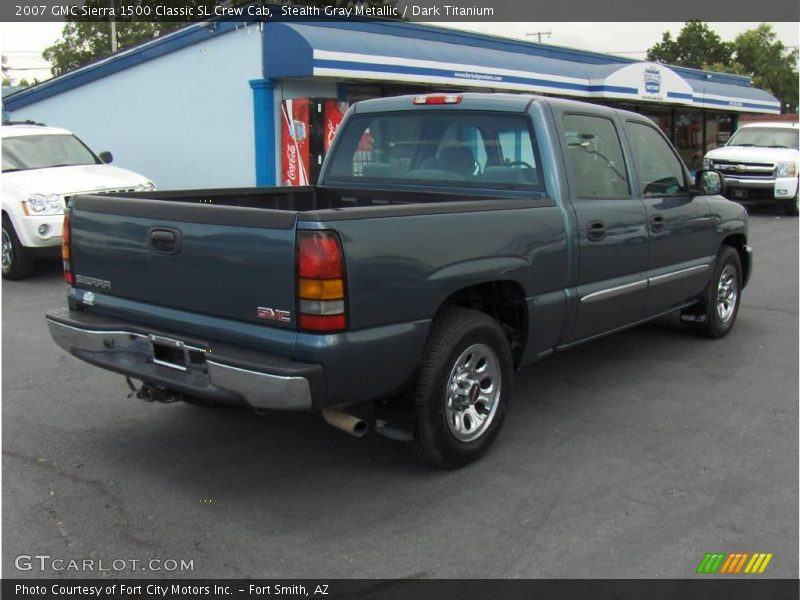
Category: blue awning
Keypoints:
(712, 94)
(394, 52)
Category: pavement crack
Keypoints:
(123, 521)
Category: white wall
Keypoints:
(185, 120)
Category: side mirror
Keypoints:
(106, 157)
(709, 183)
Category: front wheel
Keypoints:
(17, 260)
(792, 208)
(722, 295)
(463, 389)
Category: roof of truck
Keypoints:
(502, 102)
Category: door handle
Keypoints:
(596, 231)
(656, 223)
(165, 241)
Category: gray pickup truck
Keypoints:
(451, 240)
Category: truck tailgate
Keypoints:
(226, 261)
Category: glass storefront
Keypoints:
(689, 139)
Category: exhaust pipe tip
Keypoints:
(346, 422)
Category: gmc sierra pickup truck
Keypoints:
(451, 240)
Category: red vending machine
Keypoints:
(307, 129)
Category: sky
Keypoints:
(23, 43)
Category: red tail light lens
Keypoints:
(319, 255)
(320, 282)
(65, 250)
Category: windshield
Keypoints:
(438, 148)
(42, 151)
(767, 137)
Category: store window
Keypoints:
(689, 138)
(662, 117)
(719, 128)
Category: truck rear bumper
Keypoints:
(218, 372)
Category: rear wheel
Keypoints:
(17, 260)
(463, 389)
(723, 295)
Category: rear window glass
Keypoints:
(464, 149)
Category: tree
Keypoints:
(772, 66)
(696, 46)
(757, 53)
(85, 39)
(6, 76)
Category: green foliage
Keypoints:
(771, 65)
(6, 76)
(757, 53)
(695, 46)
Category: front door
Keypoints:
(682, 235)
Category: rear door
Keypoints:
(611, 226)
(681, 229)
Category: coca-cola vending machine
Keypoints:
(308, 127)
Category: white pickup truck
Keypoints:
(760, 164)
(42, 168)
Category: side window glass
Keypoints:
(595, 156)
(660, 172)
(516, 148)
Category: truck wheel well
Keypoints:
(503, 301)
(738, 241)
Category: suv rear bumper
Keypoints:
(213, 371)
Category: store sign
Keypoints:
(652, 80)
(647, 81)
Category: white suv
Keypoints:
(760, 164)
(42, 168)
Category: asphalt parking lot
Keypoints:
(632, 456)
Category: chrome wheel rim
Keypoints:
(473, 393)
(727, 293)
(8, 251)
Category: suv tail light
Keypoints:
(65, 254)
(320, 282)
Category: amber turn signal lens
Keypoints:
(321, 289)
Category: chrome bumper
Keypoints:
(132, 353)
(750, 184)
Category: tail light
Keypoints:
(320, 282)
(65, 254)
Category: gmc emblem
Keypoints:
(274, 314)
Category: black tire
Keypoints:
(791, 209)
(17, 260)
(718, 323)
(454, 332)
